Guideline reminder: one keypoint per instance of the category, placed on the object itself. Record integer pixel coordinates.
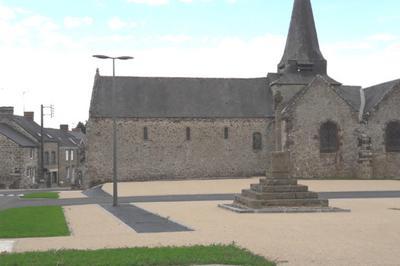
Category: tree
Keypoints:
(82, 127)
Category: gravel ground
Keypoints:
(369, 235)
(236, 185)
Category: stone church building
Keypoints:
(176, 128)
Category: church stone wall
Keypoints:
(319, 105)
(384, 164)
(167, 154)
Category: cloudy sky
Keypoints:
(46, 45)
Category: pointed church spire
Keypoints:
(302, 53)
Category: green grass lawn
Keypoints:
(33, 222)
(170, 256)
(41, 195)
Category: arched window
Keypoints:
(226, 133)
(329, 140)
(257, 141)
(188, 137)
(392, 136)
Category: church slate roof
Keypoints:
(375, 94)
(296, 79)
(351, 95)
(302, 47)
(16, 136)
(302, 41)
(155, 97)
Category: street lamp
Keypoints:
(115, 190)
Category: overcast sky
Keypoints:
(46, 45)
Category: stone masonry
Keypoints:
(168, 154)
(303, 118)
(384, 164)
(15, 162)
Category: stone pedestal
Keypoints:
(278, 192)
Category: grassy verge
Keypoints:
(41, 195)
(33, 222)
(169, 256)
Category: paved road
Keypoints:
(14, 202)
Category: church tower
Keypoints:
(302, 54)
(302, 59)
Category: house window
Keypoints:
(257, 141)
(67, 155)
(46, 158)
(145, 133)
(188, 137)
(67, 172)
(53, 157)
(392, 137)
(73, 175)
(72, 155)
(33, 175)
(329, 140)
(226, 133)
(54, 176)
(32, 153)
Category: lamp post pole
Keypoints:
(114, 121)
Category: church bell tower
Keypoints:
(302, 54)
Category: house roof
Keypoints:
(375, 94)
(79, 136)
(154, 97)
(65, 139)
(16, 136)
(31, 127)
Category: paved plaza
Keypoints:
(368, 235)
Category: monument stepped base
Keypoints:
(242, 209)
(279, 193)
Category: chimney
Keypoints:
(29, 115)
(6, 110)
(64, 128)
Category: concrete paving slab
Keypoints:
(6, 246)
(71, 195)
